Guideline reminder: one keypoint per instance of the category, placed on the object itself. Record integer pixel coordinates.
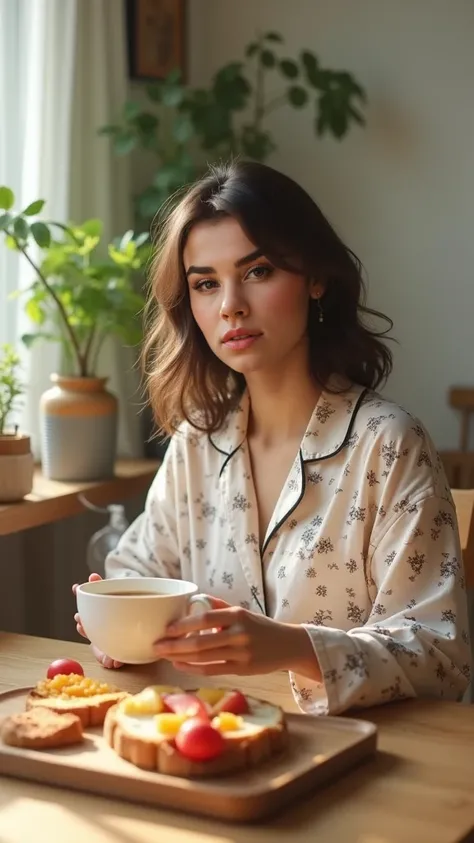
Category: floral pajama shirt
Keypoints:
(362, 548)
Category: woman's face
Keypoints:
(252, 314)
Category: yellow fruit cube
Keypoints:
(227, 722)
(169, 724)
(146, 702)
(210, 695)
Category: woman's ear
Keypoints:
(316, 288)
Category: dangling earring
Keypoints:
(320, 311)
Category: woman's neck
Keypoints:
(281, 406)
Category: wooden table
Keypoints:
(418, 789)
(52, 500)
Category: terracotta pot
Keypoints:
(16, 467)
(78, 424)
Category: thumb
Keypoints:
(95, 578)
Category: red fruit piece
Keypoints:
(188, 704)
(64, 666)
(199, 741)
(234, 701)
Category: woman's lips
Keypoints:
(242, 342)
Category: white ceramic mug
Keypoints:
(125, 626)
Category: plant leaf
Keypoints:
(131, 109)
(289, 68)
(110, 129)
(273, 36)
(298, 96)
(92, 227)
(183, 128)
(154, 91)
(267, 58)
(35, 312)
(21, 228)
(311, 66)
(173, 95)
(7, 198)
(5, 220)
(34, 208)
(42, 234)
(251, 49)
(124, 142)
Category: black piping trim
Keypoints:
(290, 511)
(229, 457)
(316, 459)
(226, 453)
(348, 432)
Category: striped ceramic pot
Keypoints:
(78, 428)
(16, 467)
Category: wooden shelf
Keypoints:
(52, 500)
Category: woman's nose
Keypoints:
(233, 304)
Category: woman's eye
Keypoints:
(260, 272)
(205, 284)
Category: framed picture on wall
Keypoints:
(156, 37)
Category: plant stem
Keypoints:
(88, 347)
(79, 357)
(275, 103)
(259, 111)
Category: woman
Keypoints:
(316, 509)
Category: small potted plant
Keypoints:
(79, 298)
(16, 459)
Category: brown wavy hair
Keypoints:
(186, 381)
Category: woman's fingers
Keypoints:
(104, 660)
(79, 626)
(92, 578)
(192, 644)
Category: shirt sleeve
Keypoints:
(149, 547)
(415, 642)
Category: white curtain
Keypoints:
(100, 182)
(62, 75)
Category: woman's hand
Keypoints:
(245, 643)
(104, 660)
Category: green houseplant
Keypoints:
(185, 128)
(77, 297)
(16, 460)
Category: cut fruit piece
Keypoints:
(148, 701)
(199, 741)
(211, 695)
(233, 701)
(227, 722)
(169, 724)
(188, 704)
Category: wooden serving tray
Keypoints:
(320, 748)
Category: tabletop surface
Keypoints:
(419, 788)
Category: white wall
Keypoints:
(401, 192)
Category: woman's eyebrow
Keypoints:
(202, 270)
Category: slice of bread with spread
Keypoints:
(144, 729)
(88, 699)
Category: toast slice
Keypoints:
(41, 728)
(261, 733)
(88, 699)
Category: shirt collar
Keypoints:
(328, 430)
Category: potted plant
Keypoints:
(77, 297)
(16, 459)
(185, 127)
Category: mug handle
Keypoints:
(197, 599)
